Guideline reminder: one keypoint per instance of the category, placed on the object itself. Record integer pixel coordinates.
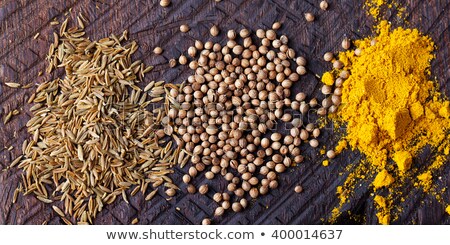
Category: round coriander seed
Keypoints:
(206, 221)
(219, 211)
(328, 56)
(314, 143)
(214, 31)
(331, 154)
(203, 189)
(346, 43)
(231, 34)
(298, 189)
(324, 5)
(184, 28)
(309, 17)
(157, 50)
(276, 25)
(164, 3)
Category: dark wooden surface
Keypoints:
(22, 57)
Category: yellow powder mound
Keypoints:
(391, 108)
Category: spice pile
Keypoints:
(93, 138)
(228, 112)
(392, 111)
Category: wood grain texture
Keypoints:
(22, 57)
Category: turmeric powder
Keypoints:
(392, 109)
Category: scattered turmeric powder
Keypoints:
(392, 109)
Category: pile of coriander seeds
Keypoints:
(227, 112)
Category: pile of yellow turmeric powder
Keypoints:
(392, 111)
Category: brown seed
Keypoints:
(172, 63)
(314, 143)
(276, 25)
(328, 56)
(182, 60)
(309, 17)
(300, 97)
(338, 64)
(236, 207)
(209, 175)
(276, 137)
(219, 211)
(324, 5)
(326, 89)
(184, 28)
(170, 192)
(254, 192)
(331, 154)
(226, 205)
(186, 178)
(203, 189)
(158, 50)
(346, 43)
(214, 31)
(298, 189)
(244, 33)
(164, 3)
(217, 197)
(316, 132)
(191, 189)
(206, 221)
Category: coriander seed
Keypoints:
(338, 64)
(184, 28)
(328, 56)
(331, 154)
(314, 143)
(164, 3)
(172, 63)
(346, 43)
(309, 17)
(219, 211)
(324, 5)
(231, 34)
(236, 207)
(298, 189)
(157, 50)
(203, 189)
(206, 221)
(182, 60)
(276, 25)
(214, 31)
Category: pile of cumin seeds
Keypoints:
(92, 136)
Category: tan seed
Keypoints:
(309, 17)
(214, 31)
(164, 3)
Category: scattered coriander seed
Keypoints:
(217, 197)
(209, 175)
(358, 52)
(219, 211)
(203, 189)
(337, 64)
(276, 25)
(157, 50)
(322, 111)
(236, 207)
(172, 63)
(260, 33)
(271, 35)
(332, 109)
(316, 133)
(170, 192)
(206, 221)
(184, 28)
(300, 61)
(254, 192)
(301, 70)
(304, 108)
(182, 60)
(300, 97)
(214, 31)
(231, 34)
(164, 3)
(226, 205)
(314, 143)
(313, 102)
(297, 122)
(346, 43)
(192, 51)
(298, 189)
(191, 189)
(244, 33)
(324, 5)
(328, 56)
(243, 203)
(326, 89)
(186, 178)
(331, 154)
(309, 17)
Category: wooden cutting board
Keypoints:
(22, 57)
